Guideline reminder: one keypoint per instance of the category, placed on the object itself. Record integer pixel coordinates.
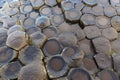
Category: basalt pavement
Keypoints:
(60, 40)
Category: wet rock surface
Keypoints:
(59, 39)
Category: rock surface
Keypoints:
(59, 39)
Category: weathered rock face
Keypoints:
(59, 39)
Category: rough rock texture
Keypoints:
(59, 39)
